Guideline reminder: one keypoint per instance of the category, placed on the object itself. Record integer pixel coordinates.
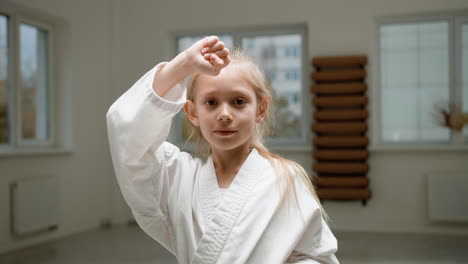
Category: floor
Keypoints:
(124, 244)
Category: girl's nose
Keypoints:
(225, 113)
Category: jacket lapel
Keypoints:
(210, 194)
(221, 214)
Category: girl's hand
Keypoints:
(207, 56)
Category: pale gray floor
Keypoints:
(129, 245)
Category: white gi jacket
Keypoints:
(175, 198)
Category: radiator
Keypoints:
(447, 196)
(34, 205)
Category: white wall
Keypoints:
(112, 43)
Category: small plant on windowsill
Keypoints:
(450, 116)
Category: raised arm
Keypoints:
(138, 124)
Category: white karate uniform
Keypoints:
(175, 198)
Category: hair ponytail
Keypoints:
(287, 171)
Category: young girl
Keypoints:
(243, 204)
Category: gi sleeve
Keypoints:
(138, 124)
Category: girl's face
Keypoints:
(226, 109)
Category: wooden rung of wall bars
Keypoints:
(337, 142)
(340, 88)
(335, 76)
(340, 115)
(341, 128)
(340, 167)
(359, 181)
(341, 154)
(340, 101)
(339, 61)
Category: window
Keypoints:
(280, 53)
(417, 71)
(4, 122)
(26, 120)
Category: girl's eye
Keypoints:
(239, 101)
(210, 102)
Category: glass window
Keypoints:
(414, 75)
(280, 57)
(4, 120)
(26, 96)
(33, 61)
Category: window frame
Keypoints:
(458, 23)
(300, 143)
(57, 142)
(455, 140)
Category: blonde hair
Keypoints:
(285, 169)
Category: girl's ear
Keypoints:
(262, 109)
(189, 109)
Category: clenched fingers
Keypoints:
(210, 41)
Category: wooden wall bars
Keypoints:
(340, 125)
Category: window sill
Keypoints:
(410, 148)
(8, 152)
(382, 148)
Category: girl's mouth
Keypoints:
(224, 132)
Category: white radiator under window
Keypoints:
(34, 205)
(448, 196)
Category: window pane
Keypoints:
(4, 124)
(280, 56)
(414, 76)
(464, 71)
(34, 83)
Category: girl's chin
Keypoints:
(229, 145)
